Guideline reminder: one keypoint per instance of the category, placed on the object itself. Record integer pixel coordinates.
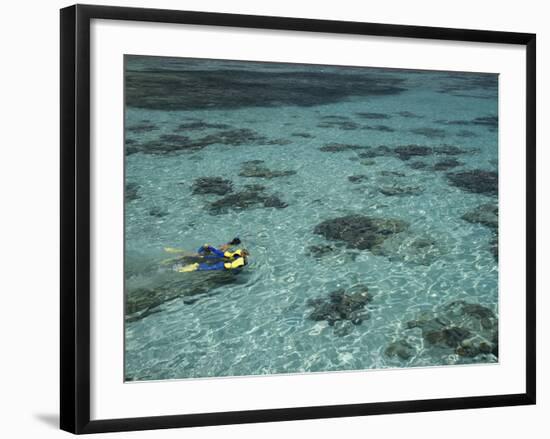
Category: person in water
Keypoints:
(221, 259)
(206, 252)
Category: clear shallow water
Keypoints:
(257, 322)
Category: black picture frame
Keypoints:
(75, 218)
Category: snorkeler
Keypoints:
(207, 251)
(226, 260)
(202, 252)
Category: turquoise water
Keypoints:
(182, 121)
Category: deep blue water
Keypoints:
(421, 149)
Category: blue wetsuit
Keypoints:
(211, 267)
(213, 253)
(205, 252)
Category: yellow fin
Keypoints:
(174, 250)
(188, 268)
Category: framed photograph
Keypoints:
(273, 218)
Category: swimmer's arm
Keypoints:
(217, 252)
(209, 252)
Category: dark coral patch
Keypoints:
(400, 348)
(360, 232)
(471, 85)
(430, 133)
(360, 178)
(278, 142)
(418, 165)
(157, 212)
(303, 135)
(379, 151)
(172, 143)
(466, 134)
(169, 84)
(392, 174)
(235, 137)
(255, 168)
(486, 214)
(493, 247)
(401, 190)
(491, 122)
(341, 305)
(340, 147)
(246, 199)
(477, 181)
(446, 164)
(212, 185)
(143, 301)
(381, 128)
(409, 115)
(469, 329)
(407, 151)
(131, 191)
(165, 144)
(450, 150)
(142, 127)
(346, 125)
(201, 125)
(376, 116)
(318, 251)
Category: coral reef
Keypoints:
(184, 87)
(360, 178)
(303, 135)
(418, 165)
(256, 168)
(172, 143)
(378, 151)
(340, 147)
(409, 115)
(318, 251)
(142, 127)
(360, 232)
(339, 122)
(407, 151)
(476, 181)
(430, 133)
(341, 307)
(131, 191)
(479, 85)
(381, 128)
(392, 174)
(446, 164)
(368, 115)
(401, 190)
(466, 134)
(411, 248)
(212, 185)
(487, 215)
(157, 212)
(400, 348)
(201, 125)
(245, 199)
(145, 299)
(468, 329)
(491, 122)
